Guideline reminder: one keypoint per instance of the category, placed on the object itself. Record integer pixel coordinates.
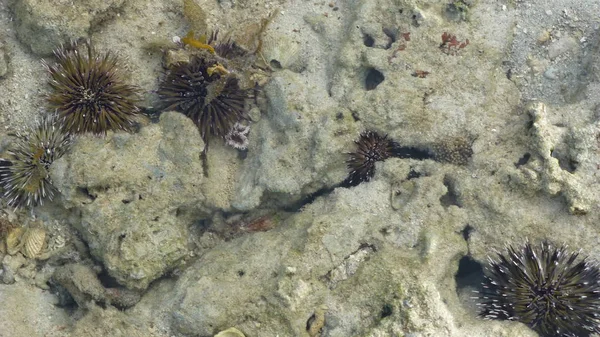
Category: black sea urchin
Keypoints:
(371, 148)
(549, 289)
(206, 92)
(88, 91)
(25, 177)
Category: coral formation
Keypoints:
(24, 176)
(548, 288)
(88, 90)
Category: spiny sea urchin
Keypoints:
(88, 91)
(25, 176)
(548, 288)
(371, 147)
(206, 92)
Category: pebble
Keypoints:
(551, 73)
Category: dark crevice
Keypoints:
(386, 310)
(523, 160)
(451, 197)
(107, 280)
(392, 34)
(275, 64)
(412, 174)
(85, 192)
(64, 298)
(565, 162)
(373, 78)
(466, 232)
(309, 199)
(469, 275)
(368, 40)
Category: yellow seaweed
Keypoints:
(199, 43)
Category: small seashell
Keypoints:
(34, 241)
(281, 52)
(13, 240)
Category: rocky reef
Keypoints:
(155, 233)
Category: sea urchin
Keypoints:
(25, 176)
(550, 289)
(370, 148)
(207, 92)
(88, 91)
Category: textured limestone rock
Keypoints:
(353, 255)
(296, 148)
(84, 286)
(43, 25)
(135, 195)
(29, 311)
(559, 156)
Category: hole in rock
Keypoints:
(275, 64)
(565, 161)
(466, 232)
(523, 160)
(451, 197)
(386, 310)
(392, 35)
(368, 40)
(469, 278)
(373, 79)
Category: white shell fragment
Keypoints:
(231, 332)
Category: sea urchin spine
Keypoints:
(25, 176)
(550, 289)
(89, 93)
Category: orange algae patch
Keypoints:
(200, 43)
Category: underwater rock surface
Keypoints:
(42, 25)
(135, 210)
(503, 95)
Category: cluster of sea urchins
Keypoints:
(550, 289)
(209, 92)
(372, 147)
(24, 175)
(88, 95)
